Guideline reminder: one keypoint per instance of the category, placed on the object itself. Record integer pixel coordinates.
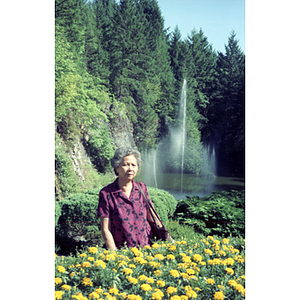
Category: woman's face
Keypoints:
(128, 168)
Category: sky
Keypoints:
(217, 18)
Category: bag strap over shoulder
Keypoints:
(154, 216)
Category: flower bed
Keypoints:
(211, 268)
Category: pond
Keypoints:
(192, 185)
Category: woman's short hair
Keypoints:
(121, 153)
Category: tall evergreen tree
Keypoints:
(69, 15)
(226, 113)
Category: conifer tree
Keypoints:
(226, 112)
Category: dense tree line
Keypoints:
(117, 56)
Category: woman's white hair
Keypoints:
(121, 153)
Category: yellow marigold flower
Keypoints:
(191, 294)
(93, 250)
(158, 272)
(222, 252)
(210, 237)
(171, 290)
(147, 247)
(140, 260)
(100, 263)
(186, 259)
(134, 297)
(110, 257)
(232, 283)
(87, 281)
(229, 271)
(208, 251)
(83, 255)
(124, 295)
(132, 266)
(122, 263)
(90, 258)
(184, 297)
(198, 289)
(170, 256)
(172, 248)
(182, 254)
(197, 257)
(243, 277)
(174, 273)
(184, 275)
(214, 262)
(146, 287)
(114, 291)
(153, 264)
(150, 280)
(72, 274)
(86, 264)
(160, 283)
(58, 280)
(79, 296)
(225, 241)
(132, 280)
(94, 295)
(66, 287)
(190, 271)
(217, 248)
(239, 288)
(143, 277)
(210, 281)
(221, 287)
(156, 296)
(58, 294)
(230, 261)
(175, 298)
(78, 266)
(159, 256)
(219, 295)
(127, 271)
(155, 246)
(61, 269)
(99, 291)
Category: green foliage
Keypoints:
(77, 222)
(111, 53)
(66, 181)
(180, 231)
(164, 202)
(221, 213)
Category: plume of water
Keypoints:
(182, 117)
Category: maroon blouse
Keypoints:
(128, 217)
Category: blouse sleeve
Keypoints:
(103, 207)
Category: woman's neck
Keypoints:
(125, 186)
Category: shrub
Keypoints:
(179, 231)
(222, 213)
(78, 223)
(164, 202)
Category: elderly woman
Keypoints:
(122, 209)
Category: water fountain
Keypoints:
(182, 117)
(164, 166)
